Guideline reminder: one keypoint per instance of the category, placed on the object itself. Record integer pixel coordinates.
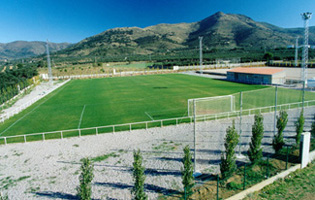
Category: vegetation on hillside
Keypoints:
(13, 80)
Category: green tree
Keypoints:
(86, 177)
(138, 177)
(268, 56)
(255, 150)
(187, 173)
(299, 125)
(228, 159)
(282, 121)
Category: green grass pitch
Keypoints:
(119, 100)
(108, 101)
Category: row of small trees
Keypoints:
(228, 159)
(84, 190)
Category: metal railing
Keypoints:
(222, 65)
(143, 125)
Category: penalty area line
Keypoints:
(81, 117)
(149, 116)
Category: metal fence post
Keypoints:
(129, 127)
(96, 131)
(244, 183)
(43, 136)
(218, 181)
(241, 110)
(79, 132)
(287, 158)
(267, 170)
(195, 138)
(275, 116)
(5, 140)
(24, 138)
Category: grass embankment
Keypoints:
(298, 185)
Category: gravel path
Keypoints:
(50, 169)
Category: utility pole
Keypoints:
(296, 51)
(305, 16)
(200, 53)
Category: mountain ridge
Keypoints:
(219, 31)
(23, 49)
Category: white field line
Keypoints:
(82, 113)
(29, 112)
(149, 116)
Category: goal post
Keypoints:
(211, 105)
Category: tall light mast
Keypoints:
(49, 65)
(305, 16)
(200, 53)
(296, 51)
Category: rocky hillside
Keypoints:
(220, 31)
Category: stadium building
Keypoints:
(264, 76)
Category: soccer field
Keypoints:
(108, 101)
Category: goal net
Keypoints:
(211, 105)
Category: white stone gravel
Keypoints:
(50, 169)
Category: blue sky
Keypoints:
(74, 20)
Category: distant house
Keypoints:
(265, 76)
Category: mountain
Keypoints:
(23, 49)
(219, 31)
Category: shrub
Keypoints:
(187, 173)
(255, 150)
(138, 177)
(228, 160)
(234, 186)
(86, 177)
(299, 125)
(282, 121)
(3, 197)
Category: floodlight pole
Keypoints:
(49, 65)
(200, 53)
(296, 51)
(241, 110)
(275, 116)
(195, 158)
(305, 16)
